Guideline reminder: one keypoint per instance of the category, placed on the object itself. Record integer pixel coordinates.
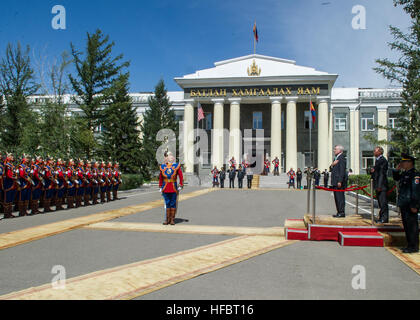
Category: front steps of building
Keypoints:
(274, 182)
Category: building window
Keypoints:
(392, 121)
(368, 160)
(257, 120)
(340, 122)
(208, 121)
(368, 122)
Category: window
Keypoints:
(257, 120)
(392, 121)
(340, 122)
(368, 160)
(368, 122)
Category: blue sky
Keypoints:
(168, 38)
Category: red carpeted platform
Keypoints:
(361, 239)
(296, 234)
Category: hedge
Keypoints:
(364, 179)
(131, 181)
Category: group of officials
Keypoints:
(244, 169)
(28, 184)
(404, 174)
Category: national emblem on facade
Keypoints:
(254, 70)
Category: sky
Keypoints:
(171, 38)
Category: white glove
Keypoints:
(160, 190)
(180, 188)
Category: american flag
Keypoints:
(200, 114)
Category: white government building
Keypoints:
(255, 92)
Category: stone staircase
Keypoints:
(277, 182)
(255, 181)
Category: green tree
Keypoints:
(158, 116)
(121, 136)
(405, 72)
(96, 71)
(16, 84)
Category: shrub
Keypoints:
(364, 180)
(131, 181)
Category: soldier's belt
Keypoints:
(169, 180)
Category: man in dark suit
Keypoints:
(241, 176)
(222, 176)
(339, 180)
(380, 183)
(232, 176)
(326, 177)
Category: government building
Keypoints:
(245, 94)
(265, 101)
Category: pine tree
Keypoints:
(158, 116)
(405, 72)
(95, 74)
(16, 84)
(121, 136)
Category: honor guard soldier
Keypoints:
(71, 182)
(36, 186)
(88, 182)
(215, 174)
(95, 182)
(222, 176)
(47, 174)
(276, 163)
(109, 185)
(232, 176)
(299, 175)
(317, 176)
(2, 161)
(61, 190)
(9, 185)
(266, 167)
(232, 162)
(292, 175)
(103, 181)
(168, 177)
(25, 186)
(409, 200)
(80, 192)
(117, 181)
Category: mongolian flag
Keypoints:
(313, 113)
(255, 31)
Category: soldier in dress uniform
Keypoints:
(103, 181)
(61, 189)
(276, 163)
(80, 192)
(117, 181)
(109, 185)
(232, 176)
(71, 184)
(409, 200)
(168, 177)
(88, 183)
(37, 185)
(317, 176)
(25, 186)
(222, 176)
(95, 182)
(232, 162)
(266, 167)
(9, 185)
(215, 173)
(292, 176)
(47, 174)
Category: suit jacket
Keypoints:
(380, 174)
(222, 175)
(232, 174)
(339, 171)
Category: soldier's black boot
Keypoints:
(34, 207)
(47, 205)
(172, 216)
(70, 202)
(8, 211)
(114, 195)
(58, 204)
(22, 209)
(103, 197)
(78, 201)
(86, 200)
(95, 198)
(108, 196)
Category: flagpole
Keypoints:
(310, 130)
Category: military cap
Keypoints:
(407, 157)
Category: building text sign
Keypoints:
(260, 91)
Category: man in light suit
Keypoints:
(379, 175)
(339, 180)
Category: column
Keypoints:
(217, 137)
(291, 134)
(235, 141)
(189, 136)
(330, 137)
(275, 130)
(354, 139)
(383, 121)
(323, 135)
